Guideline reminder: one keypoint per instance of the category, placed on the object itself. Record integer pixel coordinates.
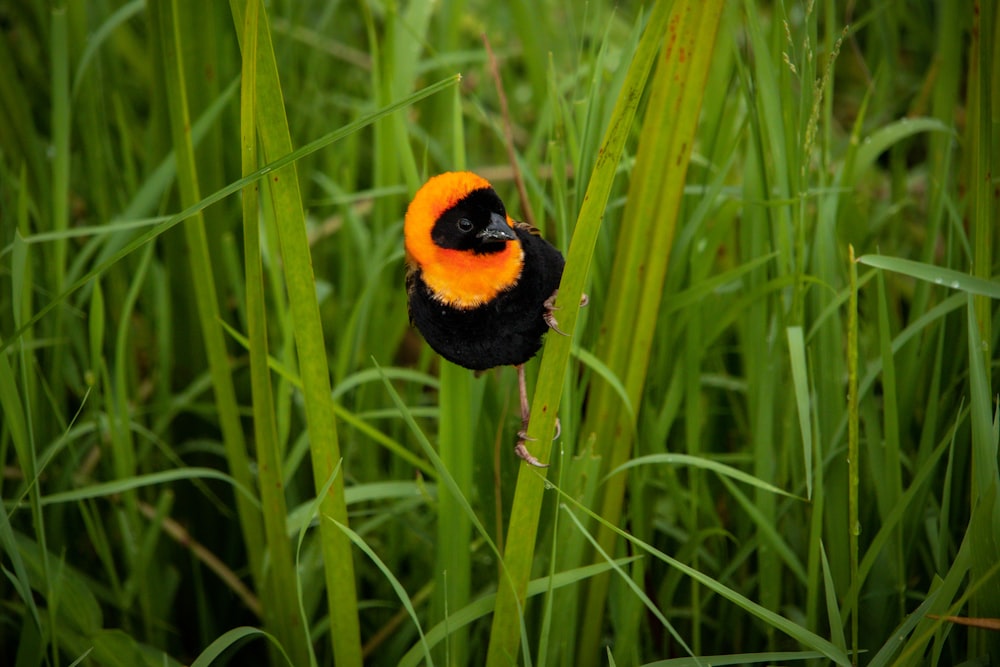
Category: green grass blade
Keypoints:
(483, 606)
(832, 608)
(984, 527)
(646, 240)
(705, 464)
(800, 380)
(853, 477)
(236, 186)
(523, 523)
(459, 400)
(773, 657)
(286, 201)
(649, 604)
(206, 296)
(937, 275)
(792, 629)
(229, 642)
(19, 579)
(280, 603)
(398, 587)
(119, 486)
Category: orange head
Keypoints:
(460, 238)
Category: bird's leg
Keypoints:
(521, 448)
(550, 308)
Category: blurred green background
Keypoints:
(770, 453)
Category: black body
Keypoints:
(505, 331)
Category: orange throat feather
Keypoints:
(465, 280)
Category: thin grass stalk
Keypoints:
(818, 586)
(523, 524)
(694, 347)
(559, 609)
(984, 164)
(983, 533)
(286, 200)
(457, 448)
(280, 604)
(887, 468)
(123, 449)
(205, 294)
(453, 566)
(853, 526)
(650, 219)
(16, 400)
(941, 160)
(59, 48)
(18, 134)
(779, 129)
(982, 158)
(912, 360)
(17, 419)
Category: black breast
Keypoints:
(506, 331)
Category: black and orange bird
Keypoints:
(481, 287)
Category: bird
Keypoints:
(480, 286)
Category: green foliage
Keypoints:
(219, 432)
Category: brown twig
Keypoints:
(508, 134)
(984, 623)
(387, 630)
(211, 561)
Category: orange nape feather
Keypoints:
(458, 278)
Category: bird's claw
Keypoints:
(549, 316)
(550, 308)
(523, 433)
(523, 453)
(521, 448)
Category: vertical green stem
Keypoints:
(60, 141)
(55, 272)
(452, 572)
(205, 292)
(983, 193)
(457, 447)
(286, 201)
(645, 241)
(281, 609)
(523, 525)
(854, 527)
(982, 186)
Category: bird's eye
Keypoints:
(465, 224)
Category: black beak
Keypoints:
(497, 230)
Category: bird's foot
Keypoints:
(550, 308)
(521, 448)
(522, 452)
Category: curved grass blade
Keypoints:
(152, 479)
(482, 606)
(934, 274)
(706, 464)
(393, 581)
(230, 641)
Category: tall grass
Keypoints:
(219, 432)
